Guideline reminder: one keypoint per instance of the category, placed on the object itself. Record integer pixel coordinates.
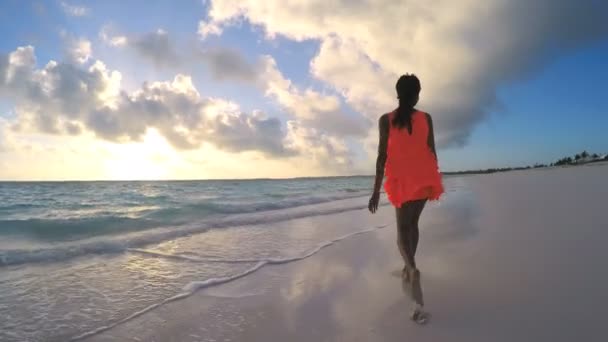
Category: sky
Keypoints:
(109, 90)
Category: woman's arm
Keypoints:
(383, 126)
(431, 136)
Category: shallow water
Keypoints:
(80, 256)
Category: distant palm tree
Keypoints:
(577, 157)
(595, 156)
(584, 154)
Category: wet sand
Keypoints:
(518, 256)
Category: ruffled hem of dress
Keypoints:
(397, 193)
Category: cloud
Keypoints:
(320, 148)
(317, 110)
(462, 50)
(320, 111)
(157, 47)
(79, 50)
(74, 11)
(240, 132)
(5, 143)
(228, 64)
(206, 29)
(111, 39)
(65, 98)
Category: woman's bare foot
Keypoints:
(419, 315)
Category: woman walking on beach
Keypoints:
(407, 152)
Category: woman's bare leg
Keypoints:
(403, 239)
(417, 207)
(407, 238)
(407, 230)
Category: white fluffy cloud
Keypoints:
(316, 110)
(69, 99)
(79, 50)
(462, 50)
(206, 29)
(64, 98)
(322, 112)
(320, 148)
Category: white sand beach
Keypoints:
(517, 256)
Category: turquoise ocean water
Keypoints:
(77, 257)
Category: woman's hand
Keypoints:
(383, 126)
(373, 202)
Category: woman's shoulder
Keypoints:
(386, 117)
(423, 114)
(384, 121)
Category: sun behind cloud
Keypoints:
(151, 159)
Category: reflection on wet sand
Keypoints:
(342, 293)
(485, 253)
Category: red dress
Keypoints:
(411, 169)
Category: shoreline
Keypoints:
(505, 259)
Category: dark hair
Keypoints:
(408, 89)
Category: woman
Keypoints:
(407, 151)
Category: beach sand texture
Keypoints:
(517, 256)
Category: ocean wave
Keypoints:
(122, 242)
(20, 206)
(270, 261)
(235, 207)
(116, 220)
(74, 228)
(195, 286)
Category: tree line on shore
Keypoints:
(580, 158)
